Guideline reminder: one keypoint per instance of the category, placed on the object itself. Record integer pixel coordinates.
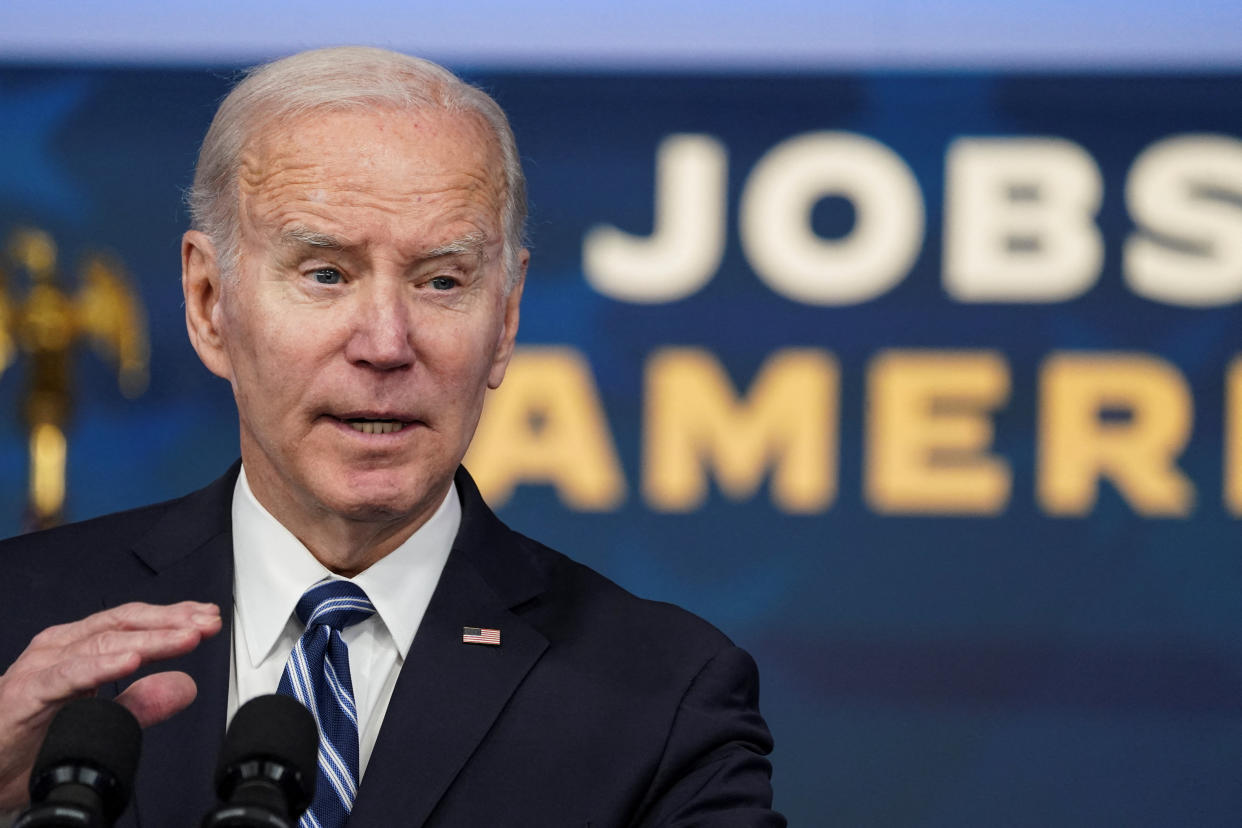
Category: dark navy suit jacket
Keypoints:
(599, 709)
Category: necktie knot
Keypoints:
(335, 604)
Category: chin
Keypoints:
(372, 500)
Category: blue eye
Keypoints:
(327, 276)
(443, 283)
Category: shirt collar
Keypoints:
(272, 569)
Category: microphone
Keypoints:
(268, 764)
(84, 773)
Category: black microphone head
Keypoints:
(98, 734)
(275, 729)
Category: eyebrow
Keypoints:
(473, 243)
(312, 238)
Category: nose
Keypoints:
(380, 335)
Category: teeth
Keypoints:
(376, 426)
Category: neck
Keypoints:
(348, 549)
(346, 545)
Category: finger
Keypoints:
(150, 645)
(154, 698)
(56, 675)
(34, 696)
(133, 616)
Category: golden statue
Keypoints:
(46, 326)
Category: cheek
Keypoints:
(264, 352)
(451, 370)
(473, 351)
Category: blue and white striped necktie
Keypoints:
(317, 675)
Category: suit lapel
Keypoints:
(189, 555)
(450, 693)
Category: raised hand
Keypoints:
(72, 660)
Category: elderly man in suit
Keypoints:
(354, 271)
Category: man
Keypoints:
(354, 271)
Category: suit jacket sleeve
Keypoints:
(714, 771)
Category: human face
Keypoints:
(368, 316)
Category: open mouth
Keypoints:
(376, 426)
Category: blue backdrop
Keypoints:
(1026, 656)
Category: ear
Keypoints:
(201, 285)
(508, 333)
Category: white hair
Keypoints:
(340, 78)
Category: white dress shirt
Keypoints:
(271, 571)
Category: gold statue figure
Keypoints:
(46, 326)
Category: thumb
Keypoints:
(154, 698)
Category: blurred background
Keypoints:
(896, 339)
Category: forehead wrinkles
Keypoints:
(282, 197)
(375, 159)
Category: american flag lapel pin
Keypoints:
(480, 635)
